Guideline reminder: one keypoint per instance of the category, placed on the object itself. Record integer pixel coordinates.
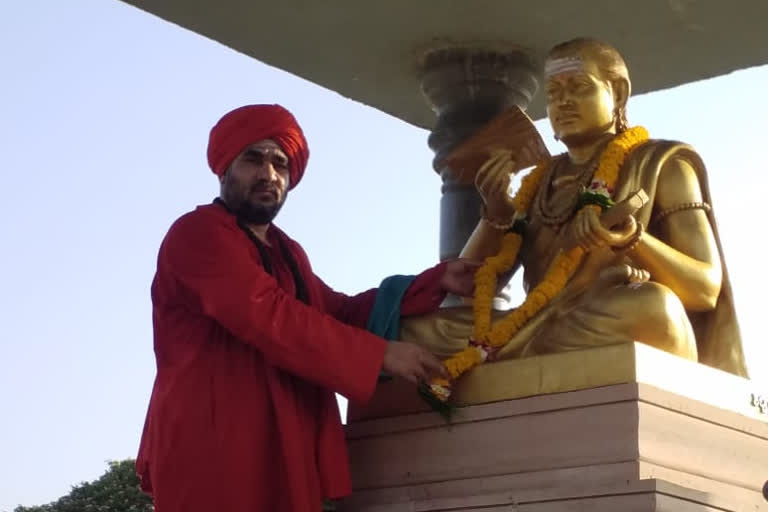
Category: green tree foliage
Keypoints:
(116, 491)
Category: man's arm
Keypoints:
(220, 280)
(424, 295)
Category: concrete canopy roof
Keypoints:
(370, 51)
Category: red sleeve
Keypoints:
(424, 295)
(210, 262)
(352, 310)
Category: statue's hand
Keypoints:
(492, 182)
(622, 274)
(589, 233)
(615, 275)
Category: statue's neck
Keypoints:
(581, 151)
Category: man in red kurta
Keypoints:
(251, 345)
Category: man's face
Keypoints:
(580, 104)
(256, 184)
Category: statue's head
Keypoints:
(587, 90)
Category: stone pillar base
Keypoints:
(628, 446)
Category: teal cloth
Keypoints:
(384, 319)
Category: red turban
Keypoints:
(247, 125)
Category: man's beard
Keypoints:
(258, 214)
(251, 211)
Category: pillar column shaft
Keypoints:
(467, 88)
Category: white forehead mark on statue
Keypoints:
(562, 65)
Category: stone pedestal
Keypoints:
(673, 436)
(467, 87)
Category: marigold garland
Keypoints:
(487, 338)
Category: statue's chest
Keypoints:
(541, 244)
(553, 208)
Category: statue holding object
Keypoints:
(616, 238)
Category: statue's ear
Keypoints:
(620, 88)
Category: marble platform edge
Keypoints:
(721, 446)
(567, 479)
(651, 489)
(577, 476)
(638, 392)
(566, 372)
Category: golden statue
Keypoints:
(656, 277)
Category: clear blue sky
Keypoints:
(105, 114)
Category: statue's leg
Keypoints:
(443, 332)
(647, 312)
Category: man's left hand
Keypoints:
(459, 277)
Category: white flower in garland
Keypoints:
(600, 187)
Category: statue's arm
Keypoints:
(492, 183)
(682, 251)
(485, 241)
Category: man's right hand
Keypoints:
(412, 363)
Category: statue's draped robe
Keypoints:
(243, 415)
(570, 322)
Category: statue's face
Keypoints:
(580, 104)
